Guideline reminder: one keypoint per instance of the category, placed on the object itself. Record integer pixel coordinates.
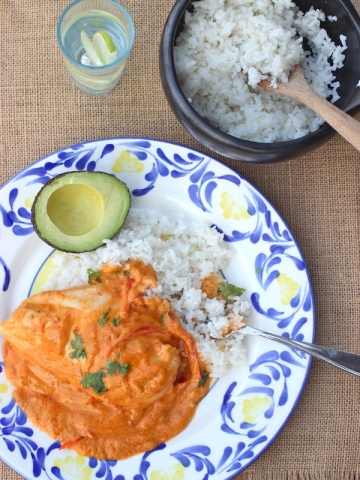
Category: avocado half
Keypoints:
(76, 211)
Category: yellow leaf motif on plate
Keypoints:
(126, 162)
(44, 273)
(254, 408)
(288, 288)
(29, 201)
(232, 209)
(3, 389)
(176, 472)
(75, 468)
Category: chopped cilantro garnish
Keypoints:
(204, 377)
(93, 274)
(103, 319)
(127, 273)
(162, 318)
(78, 346)
(229, 290)
(116, 321)
(116, 367)
(94, 381)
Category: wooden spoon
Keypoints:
(298, 88)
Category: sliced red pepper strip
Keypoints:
(70, 443)
(145, 331)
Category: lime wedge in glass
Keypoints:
(101, 50)
(90, 50)
(105, 47)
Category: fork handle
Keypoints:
(350, 362)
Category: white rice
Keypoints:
(182, 256)
(227, 46)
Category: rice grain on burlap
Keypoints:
(317, 195)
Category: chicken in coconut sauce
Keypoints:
(101, 368)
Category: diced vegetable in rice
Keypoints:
(182, 256)
(227, 46)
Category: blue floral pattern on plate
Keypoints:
(243, 412)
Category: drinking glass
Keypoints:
(112, 24)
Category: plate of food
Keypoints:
(109, 365)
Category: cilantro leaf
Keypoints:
(204, 377)
(94, 381)
(103, 319)
(166, 313)
(116, 367)
(93, 274)
(229, 290)
(116, 321)
(78, 346)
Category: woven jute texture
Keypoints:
(317, 195)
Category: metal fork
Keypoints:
(350, 362)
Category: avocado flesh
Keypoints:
(76, 211)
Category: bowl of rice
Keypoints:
(213, 54)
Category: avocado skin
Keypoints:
(88, 178)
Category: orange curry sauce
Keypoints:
(102, 369)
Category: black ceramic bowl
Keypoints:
(348, 24)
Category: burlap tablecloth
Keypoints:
(317, 194)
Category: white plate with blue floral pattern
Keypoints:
(244, 411)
